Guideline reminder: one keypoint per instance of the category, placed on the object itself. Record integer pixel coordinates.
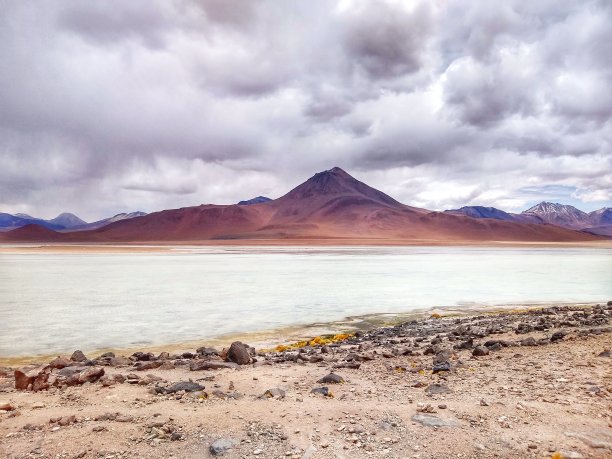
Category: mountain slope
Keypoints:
(67, 220)
(559, 214)
(256, 200)
(107, 221)
(331, 204)
(497, 214)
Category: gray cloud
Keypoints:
(149, 105)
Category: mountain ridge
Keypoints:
(331, 204)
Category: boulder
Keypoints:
(78, 356)
(238, 353)
(331, 378)
(34, 378)
(60, 362)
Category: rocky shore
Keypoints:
(532, 383)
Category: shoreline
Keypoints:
(271, 338)
(167, 246)
(533, 383)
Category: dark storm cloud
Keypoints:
(142, 105)
(385, 41)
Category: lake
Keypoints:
(55, 303)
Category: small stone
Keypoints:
(322, 391)
(438, 388)
(480, 351)
(434, 421)
(222, 445)
(6, 407)
(331, 378)
(275, 392)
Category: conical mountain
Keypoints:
(330, 205)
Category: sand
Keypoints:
(518, 401)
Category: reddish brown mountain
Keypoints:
(331, 204)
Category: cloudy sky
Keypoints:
(108, 107)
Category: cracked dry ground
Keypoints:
(552, 399)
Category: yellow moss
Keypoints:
(557, 455)
(421, 372)
(316, 341)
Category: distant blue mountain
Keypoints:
(483, 212)
(257, 200)
(63, 222)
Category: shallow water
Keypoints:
(52, 303)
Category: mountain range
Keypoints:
(330, 205)
(563, 215)
(63, 222)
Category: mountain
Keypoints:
(9, 222)
(63, 222)
(601, 217)
(107, 221)
(494, 213)
(67, 220)
(331, 205)
(482, 212)
(257, 200)
(33, 232)
(565, 216)
(560, 214)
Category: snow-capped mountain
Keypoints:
(560, 215)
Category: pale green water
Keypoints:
(52, 303)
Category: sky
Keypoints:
(108, 107)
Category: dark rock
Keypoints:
(60, 362)
(331, 378)
(239, 353)
(78, 356)
(207, 351)
(480, 351)
(352, 365)
(469, 344)
(90, 375)
(495, 345)
(441, 366)
(605, 354)
(142, 356)
(187, 386)
(147, 365)
(557, 336)
(322, 391)
(187, 355)
(529, 341)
